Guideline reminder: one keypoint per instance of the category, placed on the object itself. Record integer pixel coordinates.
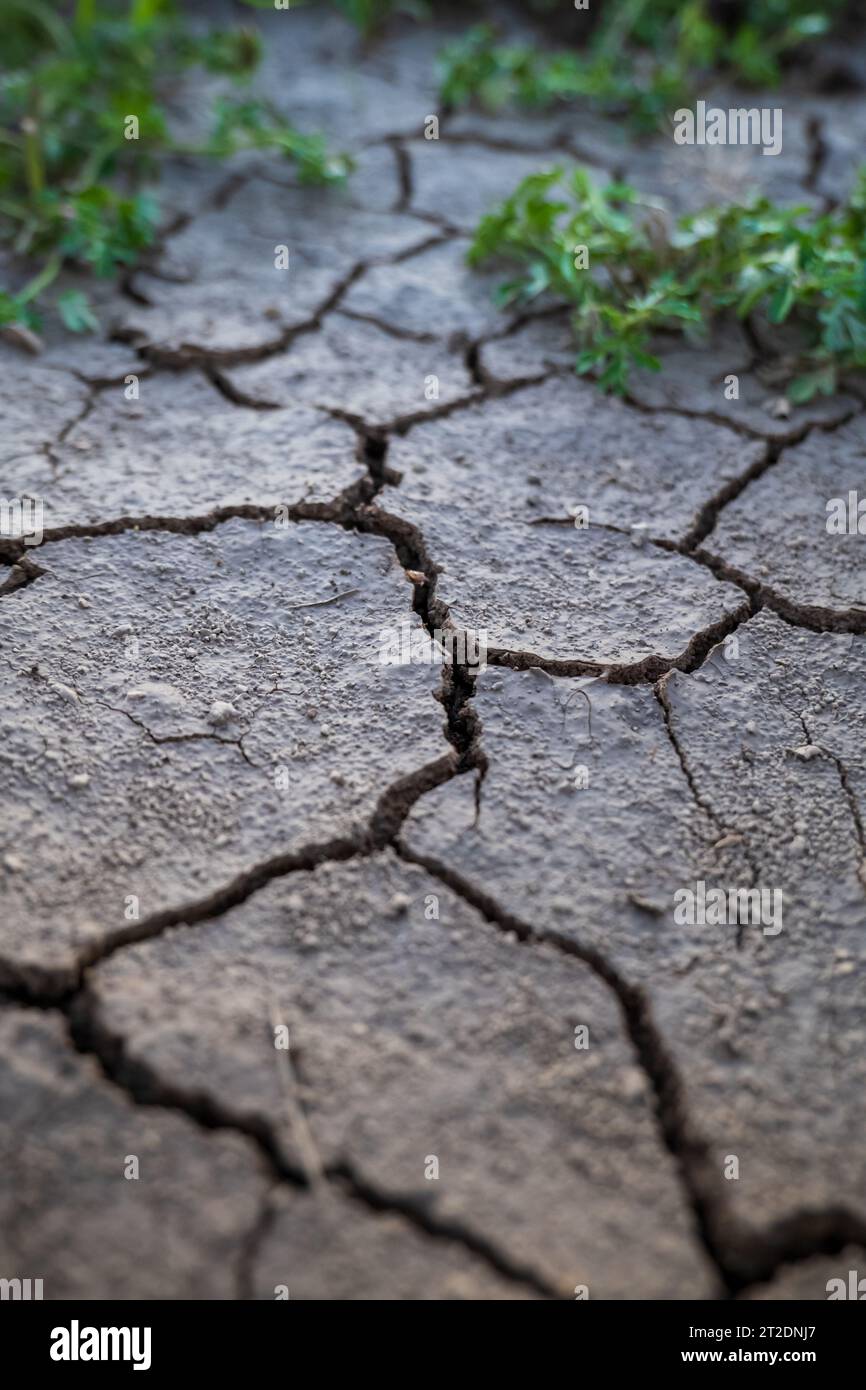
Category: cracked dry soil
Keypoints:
(224, 815)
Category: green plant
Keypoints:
(638, 275)
(476, 68)
(83, 125)
(642, 58)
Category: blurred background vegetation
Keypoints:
(76, 183)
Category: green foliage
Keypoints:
(367, 15)
(254, 125)
(69, 176)
(75, 311)
(641, 58)
(370, 15)
(645, 276)
(476, 68)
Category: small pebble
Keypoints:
(632, 1083)
(806, 751)
(221, 712)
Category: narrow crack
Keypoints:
(850, 797)
(408, 335)
(800, 1236)
(161, 739)
(12, 552)
(417, 1211)
(105, 383)
(216, 201)
(661, 693)
(63, 435)
(402, 424)
(713, 417)
(560, 142)
(251, 1246)
(708, 513)
(646, 669)
(233, 393)
(404, 175)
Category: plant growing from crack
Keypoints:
(630, 272)
(640, 58)
(84, 124)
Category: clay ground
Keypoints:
(224, 815)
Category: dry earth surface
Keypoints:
(224, 815)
